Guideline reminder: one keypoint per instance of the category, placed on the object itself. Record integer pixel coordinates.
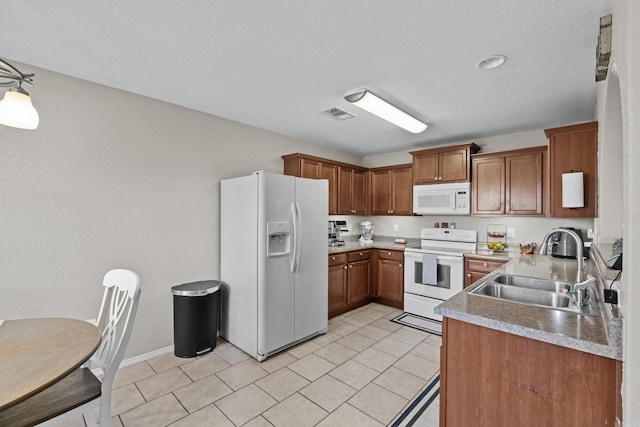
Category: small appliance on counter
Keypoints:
(563, 245)
(335, 233)
(366, 232)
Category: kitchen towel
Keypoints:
(429, 269)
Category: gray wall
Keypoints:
(111, 179)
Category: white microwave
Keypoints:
(442, 199)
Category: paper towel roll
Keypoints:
(573, 190)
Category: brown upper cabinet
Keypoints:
(442, 165)
(348, 185)
(573, 149)
(352, 190)
(509, 182)
(305, 166)
(391, 190)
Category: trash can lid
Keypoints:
(196, 289)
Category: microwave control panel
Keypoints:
(462, 199)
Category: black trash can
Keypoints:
(196, 308)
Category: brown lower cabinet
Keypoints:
(389, 277)
(476, 268)
(349, 281)
(513, 380)
(359, 277)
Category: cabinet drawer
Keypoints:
(359, 255)
(482, 265)
(337, 259)
(391, 255)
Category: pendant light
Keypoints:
(16, 109)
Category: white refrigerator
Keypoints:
(273, 261)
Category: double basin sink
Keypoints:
(547, 293)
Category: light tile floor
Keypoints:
(363, 372)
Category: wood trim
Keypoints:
(473, 148)
(579, 127)
(321, 159)
(510, 152)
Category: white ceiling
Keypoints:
(278, 64)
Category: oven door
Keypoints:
(450, 274)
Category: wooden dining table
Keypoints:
(36, 353)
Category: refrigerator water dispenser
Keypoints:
(279, 234)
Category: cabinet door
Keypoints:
(359, 185)
(425, 168)
(381, 193)
(337, 288)
(488, 186)
(454, 166)
(390, 280)
(330, 173)
(524, 184)
(358, 281)
(401, 192)
(344, 191)
(476, 268)
(573, 148)
(309, 168)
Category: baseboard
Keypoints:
(146, 356)
(140, 358)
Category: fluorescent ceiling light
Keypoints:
(381, 108)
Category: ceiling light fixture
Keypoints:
(16, 109)
(490, 62)
(381, 108)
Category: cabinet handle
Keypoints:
(400, 265)
(345, 267)
(435, 178)
(388, 253)
(333, 258)
(468, 275)
(350, 266)
(361, 254)
(485, 264)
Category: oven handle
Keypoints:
(446, 258)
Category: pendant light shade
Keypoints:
(381, 108)
(16, 109)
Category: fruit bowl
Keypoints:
(496, 246)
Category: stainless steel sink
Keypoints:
(533, 283)
(524, 295)
(533, 291)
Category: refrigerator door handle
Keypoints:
(297, 239)
(294, 252)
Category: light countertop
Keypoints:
(600, 335)
(380, 243)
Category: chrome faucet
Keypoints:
(579, 249)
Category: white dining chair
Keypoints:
(81, 392)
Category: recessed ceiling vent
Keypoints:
(340, 114)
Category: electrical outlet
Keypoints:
(395, 227)
(511, 232)
(590, 233)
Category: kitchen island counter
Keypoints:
(600, 335)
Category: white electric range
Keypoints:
(442, 249)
